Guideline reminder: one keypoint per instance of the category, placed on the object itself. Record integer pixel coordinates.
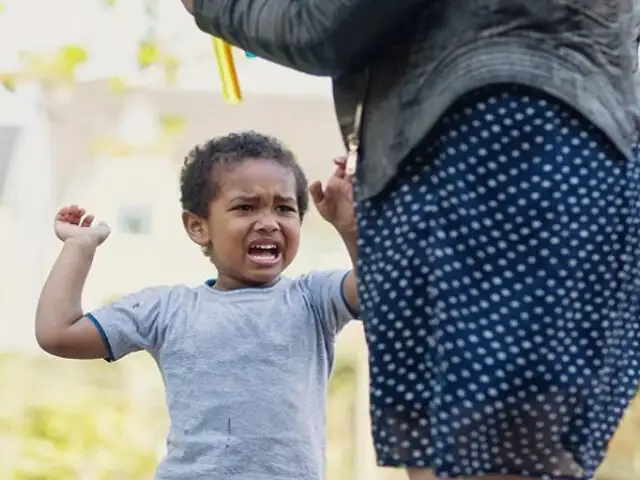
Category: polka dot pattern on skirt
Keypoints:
(500, 287)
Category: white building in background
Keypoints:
(25, 223)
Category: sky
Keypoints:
(111, 37)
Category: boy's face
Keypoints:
(254, 224)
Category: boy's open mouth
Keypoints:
(264, 254)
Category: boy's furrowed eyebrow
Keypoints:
(286, 199)
(246, 198)
(256, 198)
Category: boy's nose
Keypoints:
(267, 224)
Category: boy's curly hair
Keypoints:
(197, 186)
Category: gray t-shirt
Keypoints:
(245, 371)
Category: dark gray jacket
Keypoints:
(418, 56)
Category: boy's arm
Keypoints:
(350, 284)
(335, 204)
(61, 327)
(111, 332)
(327, 293)
(320, 37)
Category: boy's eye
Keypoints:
(286, 208)
(244, 208)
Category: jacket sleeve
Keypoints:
(319, 37)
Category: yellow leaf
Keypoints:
(148, 54)
(60, 67)
(68, 58)
(8, 82)
(73, 54)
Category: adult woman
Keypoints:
(497, 203)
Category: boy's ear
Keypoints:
(197, 228)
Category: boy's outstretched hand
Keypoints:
(74, 223)
(335, 201)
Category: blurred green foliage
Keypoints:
(73, 420)
(341, 419)
(64, 420)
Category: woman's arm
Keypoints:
(320, 37)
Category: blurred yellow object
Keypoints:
(227, 70)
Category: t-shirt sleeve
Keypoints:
(133, 322)
(326, 292)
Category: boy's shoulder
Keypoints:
(179, 294)
(160, 295)
(166, 290)
(315, 281)
(319, 279)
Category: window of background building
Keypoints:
(135, 219)
(8, 138)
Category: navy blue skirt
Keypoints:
(501, 291)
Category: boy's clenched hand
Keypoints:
(73, 223)
(335, 201)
